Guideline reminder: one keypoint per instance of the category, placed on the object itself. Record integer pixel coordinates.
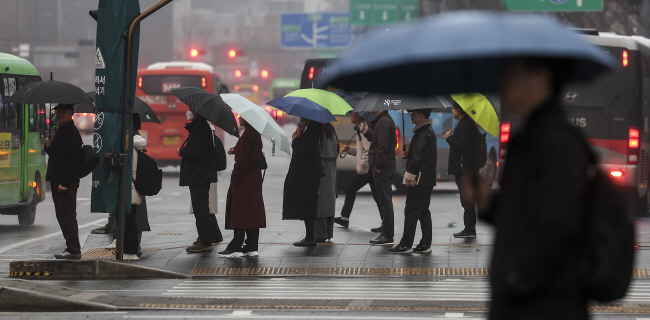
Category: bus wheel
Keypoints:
(27, 214)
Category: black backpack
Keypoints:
(88, 160)
(148, 177)
(482, 150)
(609, 257)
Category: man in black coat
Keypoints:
(463, 161)
(198, 170)
(539, 214)
(381, 158)
(419, 178)
(63, 174)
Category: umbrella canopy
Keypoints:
(210, 106)
(50, 91)
(462, 51)
(259, 119)
(480, 109)
(302, 107)
(140, 107)
(352, 98)
(328, 100)
(377, 102)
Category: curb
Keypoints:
(25, 300)
(86, 270)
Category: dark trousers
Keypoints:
(131, 234)
(206, 223)
(469, 217)
(65, 206)
(358, 182)
(252, 238)
(384, 187)
(309, 230)
(418, 199)
(324, 228)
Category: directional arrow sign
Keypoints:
(553, 5)
(318, 30)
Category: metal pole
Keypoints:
(126, 125)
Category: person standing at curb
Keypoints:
(327, 193)
(63, 174)
(244, 203)
(463, 161)
(362, 177)
(198, 171)
(419, 178)
(382, 164)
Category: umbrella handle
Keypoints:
(343, 154)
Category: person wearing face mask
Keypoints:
(198, 171)
(300, 200)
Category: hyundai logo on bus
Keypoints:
(571, 97)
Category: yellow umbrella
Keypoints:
(480, 109)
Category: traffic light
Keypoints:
(235, 53)
(195, 52)
(264, 74)
(238, 73)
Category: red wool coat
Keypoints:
(244, 204)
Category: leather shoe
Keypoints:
(382, 240)
(341, 222)
(465, 234)
(379, 229)
(305, 243)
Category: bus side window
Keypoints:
(33, 118)
(3, 112)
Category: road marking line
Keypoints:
(242, 313)
(18, 244)
(454, 315)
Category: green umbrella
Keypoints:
(328, 100)
(480, 109)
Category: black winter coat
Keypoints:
(65, 156)
(539, 220)
(423, 156)
(300, 201)
(198, 156)
(383, 141)
(463, 147)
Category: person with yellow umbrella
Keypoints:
(464, 148)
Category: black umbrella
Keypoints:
(140, 107)
(210, 106)
(352, 98)
(51, 91)
(377, 102)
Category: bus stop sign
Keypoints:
(553, 5)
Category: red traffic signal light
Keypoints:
(264, 74)
(194, 53)
(238, 73)
(232, 53)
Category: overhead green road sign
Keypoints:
(376, 12)
(553, 5)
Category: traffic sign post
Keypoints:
(376, 12)
(317, 30)
(553, 5)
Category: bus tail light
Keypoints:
(256, 88)
(139, 82)
(633, 146)
(204, 82)
(504, 137)
(617, 173)
(311, 73)
(625, 60)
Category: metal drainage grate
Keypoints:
(170, 234)
(101, 254)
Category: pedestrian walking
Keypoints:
(300, 199)
(463, 161)
(327, 192)
(419, 178)
(198, 170)
(63, 166)
(244, 204)
(381, 157)
(362, 177)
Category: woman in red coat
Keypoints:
(244, 204)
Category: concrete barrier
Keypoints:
(26, 300)
(86, 270)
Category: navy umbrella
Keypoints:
(209, 106)
(140, 107)
(302, 107)
(352, 98)
(458, 52)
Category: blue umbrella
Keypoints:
(302, 107)
(458, 52)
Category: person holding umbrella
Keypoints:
(327, 193)
(198, 171)
(244, 204)
(63, 174)
(463, 161)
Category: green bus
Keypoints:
(281, 86)
(22, 136)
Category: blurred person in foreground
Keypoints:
(419, 178)
(198, 171)
(300, 198)
(463, 161)
(63, 174)
(244, 203)
(363, 176)
(536, 270)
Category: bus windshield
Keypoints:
(162, 84)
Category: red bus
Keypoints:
(153, 87)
